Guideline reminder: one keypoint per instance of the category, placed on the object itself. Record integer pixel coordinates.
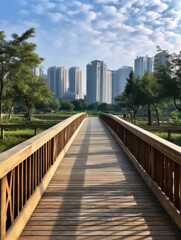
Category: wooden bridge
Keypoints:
(74, 181)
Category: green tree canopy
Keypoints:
(14, 54)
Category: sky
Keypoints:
(75, 32)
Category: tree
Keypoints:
(55, 104)
(14, 54)
(169, 78)
(94, 106)
(103, 107)
(66, 105)
(80, 104)
(130, 98)
(175, 68)
(32, 89)
(150, 94)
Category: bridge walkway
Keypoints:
(96, 193)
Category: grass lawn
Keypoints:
(14, 137)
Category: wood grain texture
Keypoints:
(20, 222)
(96, 193)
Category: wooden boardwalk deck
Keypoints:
(97, 194)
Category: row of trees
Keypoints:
(152, 90)
(17, 81)
(76, 105)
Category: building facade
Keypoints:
(57, 80)
(163, 57)
(38, 71)
(143, 64)
(75, 82)
(119, 80)
(99, 82)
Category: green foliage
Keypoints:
(12, 138)
(94, 106)
(66, 105)
(130, 98)
(80, 104)
(14, 54)
(103, 107)
(55, 104)
(169, 78)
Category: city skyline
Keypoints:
(74, 32)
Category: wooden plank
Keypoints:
(97, 194)
(18, 225)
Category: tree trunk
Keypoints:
(134, 117)
(0, 110)
(149, 115)
(157, 115)
(177, 107)
(10, 111)
(29, 114)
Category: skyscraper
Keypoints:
(119, 80)
(99, 82)
(38, 71)
(162, 56)
(57, 80)
(75, 81)
(143, 64)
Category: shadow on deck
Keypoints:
(96, 193)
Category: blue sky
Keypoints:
(74, 32)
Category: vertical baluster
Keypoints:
(17, 195)
(35, 157)
(176, 185)
(22, 185)
(3, 212)
(29, 176)
(25, 180)
(38, 166)
(41, 162)
(33, 173)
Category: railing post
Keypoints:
(2, 133)
(3, 208)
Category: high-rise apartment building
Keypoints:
(119, 80)
(38, 71)
(143, 64)
(57, 80)
(99, 82)
(75, 82)
(163, 57)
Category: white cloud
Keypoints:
(62, 7)
(55, 17)
(108, 1)
(23, 12)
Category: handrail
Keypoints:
(159, 159)
(168, 129)
(23, 126)
(26, 166)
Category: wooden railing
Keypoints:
(157, 160)
(23, 126)
(26, 170)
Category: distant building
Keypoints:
(119, 80)
(143, 64)
(38, 71)
(109, 86)
(99, 82)
(57, 80)
(70, 96)
(163, 57)
(75, 81)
